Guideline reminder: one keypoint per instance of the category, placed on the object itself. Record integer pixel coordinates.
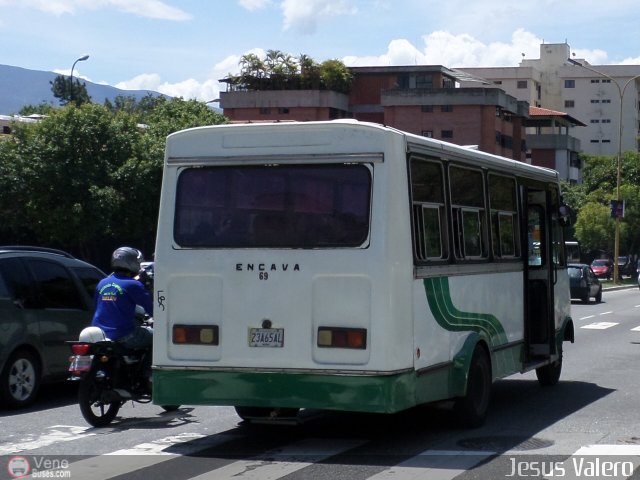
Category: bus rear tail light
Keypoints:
(340, 337)
(195, 335)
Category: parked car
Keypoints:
(603, 268)
(583, 282)
(626, 266)
(46, 299)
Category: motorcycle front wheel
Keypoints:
(94, 411)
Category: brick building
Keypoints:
(419, 99)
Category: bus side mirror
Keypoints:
(564, 215)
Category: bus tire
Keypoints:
(549, 375)
(471, 410)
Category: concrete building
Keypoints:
(549, 143)
(419, 99)
(573, 86)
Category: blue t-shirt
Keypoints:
(116, 299)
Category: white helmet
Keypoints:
(92, 335)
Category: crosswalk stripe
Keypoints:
(600, 325)
(145, 455)
(434, 465)
(57, 433)
(278, 463)
(601, 461)
(637, 329)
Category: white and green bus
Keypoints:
(348, 266)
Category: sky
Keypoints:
(184, 47)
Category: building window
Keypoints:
(522, 84)
(424, 81)
(606, 101)
(447, 134)
(606, 141)
(446, 108)
(498, 138)
(595, 141)
(6, 130)
(595, 120)
(498, 82)
(427, 108)
(569, 84)
(606, 80)
(606, 120)
(403, 81)
(427, 133)
(569, 103)
(265, 111)
(595, 101)
(283, 110)
(448, 83)
(595, 80)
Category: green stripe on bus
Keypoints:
(454, 320)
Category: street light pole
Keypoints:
(621, 90)
(81, 59)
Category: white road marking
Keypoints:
(598, 461)
(144, 455)
(283, 461)
(434, 465)
(587, 317)
(637, 329)
(58, 433)
(600, 325)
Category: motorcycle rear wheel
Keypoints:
(95, 412)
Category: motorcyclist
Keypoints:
(116, 298)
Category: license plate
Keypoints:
(80, 363)
(266, 337)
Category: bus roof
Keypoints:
(234, 140)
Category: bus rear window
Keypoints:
(286, 206)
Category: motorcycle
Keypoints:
(110, 375)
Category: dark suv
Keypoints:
(46, 298)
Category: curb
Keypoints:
(619, 287)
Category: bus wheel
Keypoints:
(550, 374)
(471, 410)
(248, 413)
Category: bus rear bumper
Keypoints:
(365, 393)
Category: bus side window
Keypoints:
(468, 213)
(535, 234)
(429, 214)
(504, 216)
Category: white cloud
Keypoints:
(253, 5)
(144, 8)
(188, 89)
(305, 15)
(449, 50)
(438, 48)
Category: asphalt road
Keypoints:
(590, 416)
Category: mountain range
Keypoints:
(20, 87)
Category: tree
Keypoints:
(87, 179)
(68, 91)
(594, 227)
(336, 76)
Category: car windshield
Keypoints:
(600, 263)
(575, 272)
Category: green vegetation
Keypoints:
(87, 178)
(593, 225)
(281, 71)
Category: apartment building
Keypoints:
(591, 94)
(419, 99)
